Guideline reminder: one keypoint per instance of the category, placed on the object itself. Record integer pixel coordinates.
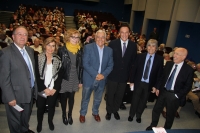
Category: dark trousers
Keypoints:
(172, 104)
(41, 105)
(139, 100)
(63, 100)
(18, 121)
(115, 93)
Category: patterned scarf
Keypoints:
(73, 48)
(42, 59)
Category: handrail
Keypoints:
(7, 11)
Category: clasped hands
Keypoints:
(49, 92)
(99, 77)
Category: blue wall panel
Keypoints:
(192, 43)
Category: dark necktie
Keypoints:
(25, 56)
(171, 78)
(124, 49)
(146, 71)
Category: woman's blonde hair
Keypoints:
(47, 41)
(69, 33)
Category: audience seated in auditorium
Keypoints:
(37, 47)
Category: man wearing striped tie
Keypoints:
(175, 83)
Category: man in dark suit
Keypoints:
(17, 81)
(97, 64)
(174, 85)
(124, 54)
(145, 77)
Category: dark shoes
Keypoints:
(177, 115)
(29, 131)
(108, 116)
(198, 114)
(70, 120)
(164, 114)
(138, 120)
(122, 107)
(97, 118)
(149, 128)
(116, 115)
(51, 125)
(39, 128)
(130, 118)
(65, 119)
(82, 119)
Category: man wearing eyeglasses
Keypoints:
(97, 64)
(17, 81)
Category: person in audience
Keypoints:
(31, 36)
(172, 53)
(140, 46)
(48, 75)
(97, 63)
(81, 28)
(58, 43)
(124, 54)
(5, 38)
(18, 81)
(162, 47)
(145, 77)
(71, 56)
(154, 34)
(166, 58)
(36, 46)
(174, 85)
(4, 28)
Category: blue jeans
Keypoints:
(86, 93)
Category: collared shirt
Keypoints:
(176, 74)
(122, 44)
(100, 50)
(152, 59)
(20, 50)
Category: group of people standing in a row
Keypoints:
(24, 77)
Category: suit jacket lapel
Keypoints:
(120, 49)
(20, 57)
(96, 52)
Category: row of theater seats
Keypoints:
(101, 16)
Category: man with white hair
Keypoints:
(97, 63)
(145, 78)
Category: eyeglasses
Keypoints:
(20, 34)
(73, 37)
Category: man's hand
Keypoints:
(12, 103)
(153, 90)
(47, 91)
(157, 92)
(99, 77)
(52, 92)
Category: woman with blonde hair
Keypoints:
(71, 56)
(48, 77)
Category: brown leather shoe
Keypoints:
(177, 115)
(82, 119)
(97, 118)
(164, 114)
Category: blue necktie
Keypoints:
(25, 56)
(171, 78)
(124, 49)
(146, 71)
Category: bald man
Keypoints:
(174, 85)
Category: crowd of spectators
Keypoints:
(41, 22)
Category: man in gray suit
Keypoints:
(17, 81)
(97, 64)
